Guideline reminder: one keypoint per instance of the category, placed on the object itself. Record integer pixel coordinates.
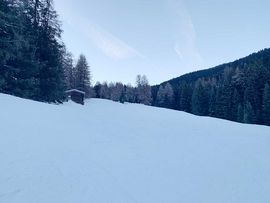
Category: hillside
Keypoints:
(237, 91)
(111, 152)
(262, 56)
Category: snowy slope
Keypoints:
(106, 152)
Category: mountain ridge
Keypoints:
(215, 69)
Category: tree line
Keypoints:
(34, 62)
(237, 91)
(119, 92)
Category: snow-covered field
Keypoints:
(106, 152)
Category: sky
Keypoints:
(162, 39)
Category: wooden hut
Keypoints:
(76, 96)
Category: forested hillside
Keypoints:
(237, 91)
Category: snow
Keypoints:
(106, 152)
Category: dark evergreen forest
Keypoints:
(34, 62)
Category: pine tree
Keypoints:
(212, 101)
(200, 100)
(117, 92)
(18, 66)
(104, 91)
(266, 104)
(185, 98)
(240, 113)
(138, 80)
(165, 96)
(160, 99)
(249, 115)
(250, 100)
(235, 104)
(82, 75)
(129, 94)
(169, 96)
(8, 37)
(49, 53)
(223, 102)
(69, 70)
(97, 89)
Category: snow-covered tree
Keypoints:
(144, 95)
(129, 94)
(117, 91)
(160, 100)
(165, 96)
(104, 91)
(169, 97)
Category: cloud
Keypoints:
(178, 51)
(110, 45)
(106, 42)
(185, 43)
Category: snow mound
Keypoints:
(119, 153)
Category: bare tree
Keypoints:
(144, 95)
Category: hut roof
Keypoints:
(75, 90)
